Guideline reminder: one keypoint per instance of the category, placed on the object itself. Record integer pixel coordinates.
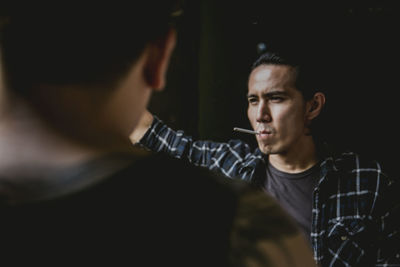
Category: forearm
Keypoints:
(232, 158)
(158, 137)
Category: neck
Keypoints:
(299, 159)
(60, 138)
(26, 138)
(79, 114)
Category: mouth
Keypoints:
(264, 131)
(264, 134)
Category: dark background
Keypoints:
(217, 42)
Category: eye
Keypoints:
(252, 100)
(276, 99)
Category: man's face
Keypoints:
(276, 109)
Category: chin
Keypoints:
(266, 149)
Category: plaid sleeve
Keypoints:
(233, 159)
(389, 227)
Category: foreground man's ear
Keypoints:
(158, 58)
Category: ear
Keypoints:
(158, 57)
(315, 105)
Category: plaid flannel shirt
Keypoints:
(355, 216)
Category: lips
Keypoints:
(264, 134)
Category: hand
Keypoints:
(144, 124)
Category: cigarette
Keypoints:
(244, 130)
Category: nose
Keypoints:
(263, 113)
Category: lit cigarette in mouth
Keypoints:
(244, 130)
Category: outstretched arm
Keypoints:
(144, 124)
(233, 158)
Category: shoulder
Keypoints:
(177, 180)
(353, 162)
(345, 160)
(365, 168)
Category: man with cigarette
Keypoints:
(345, 204)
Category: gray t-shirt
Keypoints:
(294, 193)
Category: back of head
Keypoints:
(64, 44)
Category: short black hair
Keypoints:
(68, 44)
(308, 69)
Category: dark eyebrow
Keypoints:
(275, 94)
(270, 94)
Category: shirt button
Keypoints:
(343, 237)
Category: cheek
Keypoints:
(251, 115)
(284, 113)
(291, 121)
